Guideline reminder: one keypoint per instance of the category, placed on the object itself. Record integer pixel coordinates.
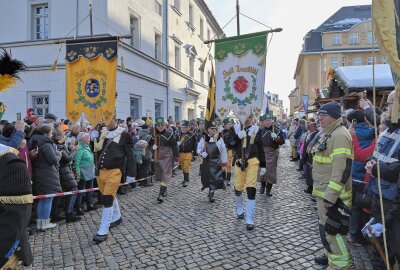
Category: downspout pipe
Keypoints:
(166, 54)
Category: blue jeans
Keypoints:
(44, 208)
(87, 197)
(70, 201)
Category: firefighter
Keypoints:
(249, 160)
(187, 144)
(332, 163)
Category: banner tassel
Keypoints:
(123, 68)
(54, 65)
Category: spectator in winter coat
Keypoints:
(46, 179)
(297, 136)
(13, 135)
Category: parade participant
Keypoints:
(166, 152)
(250, 157)
(332, 163)
(15, 209)
(200, 130)
(271, 138)
(187, 144)
(213, 151)
(117, 150)
(228, 134)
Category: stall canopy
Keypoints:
(359, 78)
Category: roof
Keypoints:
(341, 21)
(361, 76)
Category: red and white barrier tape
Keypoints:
(62, 194)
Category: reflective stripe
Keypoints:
(341, 151)
(321, 159)
(335, 186)
(318, 193)
(342, 260)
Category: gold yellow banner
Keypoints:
(91, 81)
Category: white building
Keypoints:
(162, 58)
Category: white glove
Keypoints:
(178, 143)
(204, 154)
(273, 135)
(262, 171)
(242, 134)
(376, 229)
(155, 147)
(130, 179)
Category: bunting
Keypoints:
(210, 110)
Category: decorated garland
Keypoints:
(242, 102)
(81, 98)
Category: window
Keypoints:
(344, 60)
(135, 31)
(353, 38)
(191, 66)
(157, 109)
(336, 39)
(157, 47)
(41, 22)
(158, 7)
(202, 76)
(177, 57)
(357, 61)
(202, 114)
(177, 112)
(208, 34)
(371, 38)
(134, 108)
(334, 62)
(191, 14)
(40, 104)
(201, 28)
(371, 60)
(177, 4)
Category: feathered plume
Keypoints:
(9, 70)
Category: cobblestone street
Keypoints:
(188, 232)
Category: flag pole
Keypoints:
(237, 18)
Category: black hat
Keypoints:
(3, 122)
(332, 109)
(66, 121)
(50, 116)
(357, 115)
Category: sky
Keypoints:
(296, 17)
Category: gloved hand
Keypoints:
(376, 229)
(204, 154)
(130, 179)
(333, 223)
(241, 134)
(155, 147)
(273, 135)
(262, 171)
(178, 143)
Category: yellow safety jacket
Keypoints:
(333, 158)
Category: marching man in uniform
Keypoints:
(187, 144)
(271, 139)
(116, 149)
(228, 133)
(166, 150)
(213, 151)
(249, 160)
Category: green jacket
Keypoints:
(332, 165)
(83, 158)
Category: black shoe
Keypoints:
(307, 190)
(294, 159)
(313, 199)
(90, 207)
(262, 188)
(115, 223)
(321, 260)
(241, 216)
(228, 183)
(71, 217)
(79, 211)
(203, 188)
(249, 227)
(56, 218)
(211, 196)
(100, 238)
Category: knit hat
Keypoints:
(14, 176)
(159, 121)
(332, 109)
(266, 116)
(357, 115)
(50, 116)
(185, 123)
(227, 121)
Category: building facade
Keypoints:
(162, 58)
(345, 39)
